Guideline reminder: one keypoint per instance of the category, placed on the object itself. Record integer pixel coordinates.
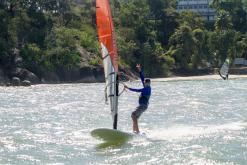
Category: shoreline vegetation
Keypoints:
(56, 41)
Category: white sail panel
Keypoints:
(110, 80)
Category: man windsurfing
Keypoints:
(143, 99)
(224, 70)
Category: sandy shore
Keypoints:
(192, 78)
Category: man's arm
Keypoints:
(142, 78)
(135, 90)
(138, 66)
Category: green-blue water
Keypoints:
(187, 122)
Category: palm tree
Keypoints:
(223, 21)
(216, 4)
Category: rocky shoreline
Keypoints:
(23, 77)
(90, 74)
(15, 73)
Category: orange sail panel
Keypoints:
(106, 30)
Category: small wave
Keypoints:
(192, 132)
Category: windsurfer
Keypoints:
(143, 99)
(224, 70)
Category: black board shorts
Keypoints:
(139, 110)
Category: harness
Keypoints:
(143, 99)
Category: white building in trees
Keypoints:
(199, 6)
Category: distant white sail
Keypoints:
(225, 69)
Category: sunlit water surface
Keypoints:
(187, 122)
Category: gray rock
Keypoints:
(32, 78)
(88, 79)
(87, 75)
(3, 78)
(26, 83)
(25, 74)
(69, 75)
(99, 74)
(16, 81)
(50, 77)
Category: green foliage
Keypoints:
(62, 58)
(223, 21)
(32, 56)
(191, 19)
(62, 47)
(200, 54)
(95, 61)
(126, 47)
(47, 33)
(231, 13)
(184, 44)
(226, 44)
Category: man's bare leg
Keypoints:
(135, 125)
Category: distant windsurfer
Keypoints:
(224, 78)
(143, 99)
(224, 70)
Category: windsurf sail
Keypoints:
(224, 69)
(109, 54)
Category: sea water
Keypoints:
(187, 122)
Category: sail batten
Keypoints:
(109, 54)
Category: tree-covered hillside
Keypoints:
(48, 35)
(153, 33)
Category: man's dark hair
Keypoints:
(147, 80)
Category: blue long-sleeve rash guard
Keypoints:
(145, 91)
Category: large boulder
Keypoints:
(99, 74)
(26, 83)
(50, 77)
(3, 78)
(18, 60)
(32, 78)
(91, 75)
(86, 75)
(25, 74)
(69, 75)
(16, 81)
